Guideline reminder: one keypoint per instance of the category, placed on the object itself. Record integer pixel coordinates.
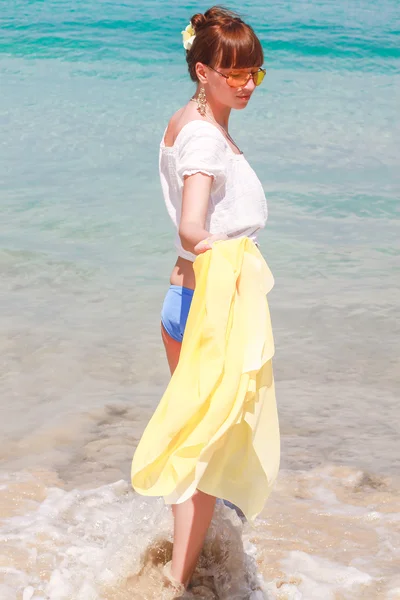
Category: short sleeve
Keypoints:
(202, 149)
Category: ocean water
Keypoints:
(86, 90)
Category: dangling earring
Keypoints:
(202, 102)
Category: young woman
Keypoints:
(211, 193)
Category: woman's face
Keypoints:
(219, 88)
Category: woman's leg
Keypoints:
(172, 348)
(191, 518)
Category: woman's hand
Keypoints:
(206, 244)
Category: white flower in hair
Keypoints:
(188, 35)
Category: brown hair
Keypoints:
(223, 40)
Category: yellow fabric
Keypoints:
(216, 427)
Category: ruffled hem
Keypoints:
(189, 172)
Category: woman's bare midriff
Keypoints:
(183, 274)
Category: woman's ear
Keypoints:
(201, 72)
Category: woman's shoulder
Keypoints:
(186, 125)
(200, 131)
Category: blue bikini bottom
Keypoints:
(175, 311)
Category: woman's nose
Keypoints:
(250, 85)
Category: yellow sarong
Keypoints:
(216, 427)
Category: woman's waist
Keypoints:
(183, 274)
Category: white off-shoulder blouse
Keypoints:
(237, 204)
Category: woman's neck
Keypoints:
(219, 111)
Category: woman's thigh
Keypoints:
(172, 348)
(174, 314)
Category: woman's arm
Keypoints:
(195, 198)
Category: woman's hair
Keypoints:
(223, 40)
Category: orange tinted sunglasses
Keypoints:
(237, 80)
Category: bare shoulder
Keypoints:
(183, 116)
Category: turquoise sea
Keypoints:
(86, 247)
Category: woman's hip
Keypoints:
(175, 310)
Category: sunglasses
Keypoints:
(237, 80)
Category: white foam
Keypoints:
(73, 544)
(95, 539)
(321, 578)
(88, 538)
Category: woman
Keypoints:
(212, 194)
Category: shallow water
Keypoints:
(85, 253)
(328, 532)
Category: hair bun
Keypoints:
(213, 14)
(219, 13)
(198, 20)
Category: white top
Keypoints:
(237, 204)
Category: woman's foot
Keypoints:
(171, 581)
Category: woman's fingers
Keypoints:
(204, 249)
(206, 244)
(202, 246)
